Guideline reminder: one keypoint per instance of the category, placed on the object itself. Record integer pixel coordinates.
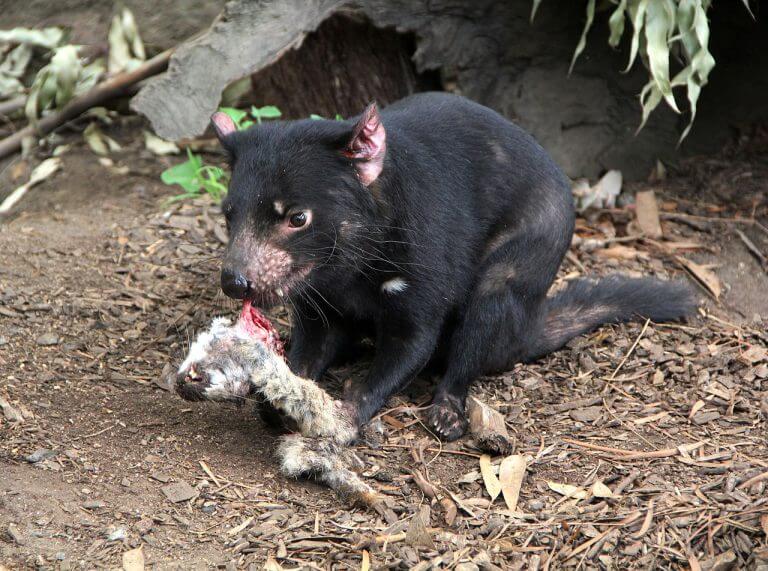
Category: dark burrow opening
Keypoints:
(340, 68)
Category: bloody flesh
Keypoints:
(256, 324)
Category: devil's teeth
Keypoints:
(280, 292)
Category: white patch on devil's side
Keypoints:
(395, 285)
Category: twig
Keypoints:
(12, 105)
(96, 433)
(109, 89)
(631, 349)
(456, 452)
(753, 480)
(635, 454)
(208, 471)
(752, 248)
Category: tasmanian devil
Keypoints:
(435, 226)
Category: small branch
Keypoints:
(631, 350)
(754, 250)
(619, 453)
(109, 89)
(12, 105)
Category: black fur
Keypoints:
(469, 211)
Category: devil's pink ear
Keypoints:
(368, 145)
(223, 125)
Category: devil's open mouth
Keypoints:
(257, 325)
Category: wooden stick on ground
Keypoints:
(109, 89)
(12, 105)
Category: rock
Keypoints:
(94, 505)
(10, 413)
(116, 534)
(493, 443)
(47, 339)
(179, 492)
(15, 534)
(39, 455)
(3, 340)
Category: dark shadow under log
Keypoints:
(339, 68)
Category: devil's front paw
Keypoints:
(447, 418)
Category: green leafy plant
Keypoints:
(660, 29)
(239, 116)
(266, 112)
(196, 178)
(316, 117)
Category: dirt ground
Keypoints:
(102, 283)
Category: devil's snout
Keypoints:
(234, 284)
(256, 273)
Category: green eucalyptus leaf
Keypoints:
(237, 115)
(583, 40)
(535, 8)
(637, 9)
(268, 112)
(660, 21)
(616, 24)
(47, 38)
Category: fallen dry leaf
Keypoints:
(98, 141)
(418, 534)
(366, 563)
(133, 560)
(492, 484)
(704, 275)
(754, 354)
(567, 490)
(272, 565)
(39, 174)
(648, 214)
(511, 474)
(237, 529)
(697, 406)
(600, 490)
(652, 418)
(159, 146)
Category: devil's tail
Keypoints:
(585, 304)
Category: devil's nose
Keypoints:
(234, 284)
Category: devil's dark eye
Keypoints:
(298, 220)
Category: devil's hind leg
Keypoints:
(500, 321)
